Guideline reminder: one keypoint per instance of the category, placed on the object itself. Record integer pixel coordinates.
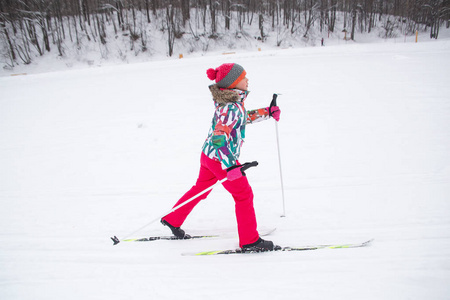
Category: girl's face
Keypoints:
(243, 84)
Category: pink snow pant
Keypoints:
(210, 172)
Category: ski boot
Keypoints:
(177, 231)
(259, 246)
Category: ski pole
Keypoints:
(274, 103)
(243, 167)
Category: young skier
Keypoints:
(219, 158)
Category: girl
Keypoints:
(219, 158)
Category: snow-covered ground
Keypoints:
(365, 141)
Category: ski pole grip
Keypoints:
(274, 100)
(247, 166)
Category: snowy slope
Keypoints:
(365, 143)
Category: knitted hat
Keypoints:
(227, 76)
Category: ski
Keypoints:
(116, 240)
(281, 249)
(169, 238)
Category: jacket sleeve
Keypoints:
(257, 115)
(222, 139)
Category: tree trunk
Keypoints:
(170, 28)
(212, 8)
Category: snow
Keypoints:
(86, 154)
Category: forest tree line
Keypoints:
(33, 27)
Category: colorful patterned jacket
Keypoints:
(227, 132)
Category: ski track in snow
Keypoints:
(365, 143)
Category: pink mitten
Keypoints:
(234, 173)
(274, 112)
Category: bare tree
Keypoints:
(170, 28)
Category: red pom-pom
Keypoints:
(211, 74)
